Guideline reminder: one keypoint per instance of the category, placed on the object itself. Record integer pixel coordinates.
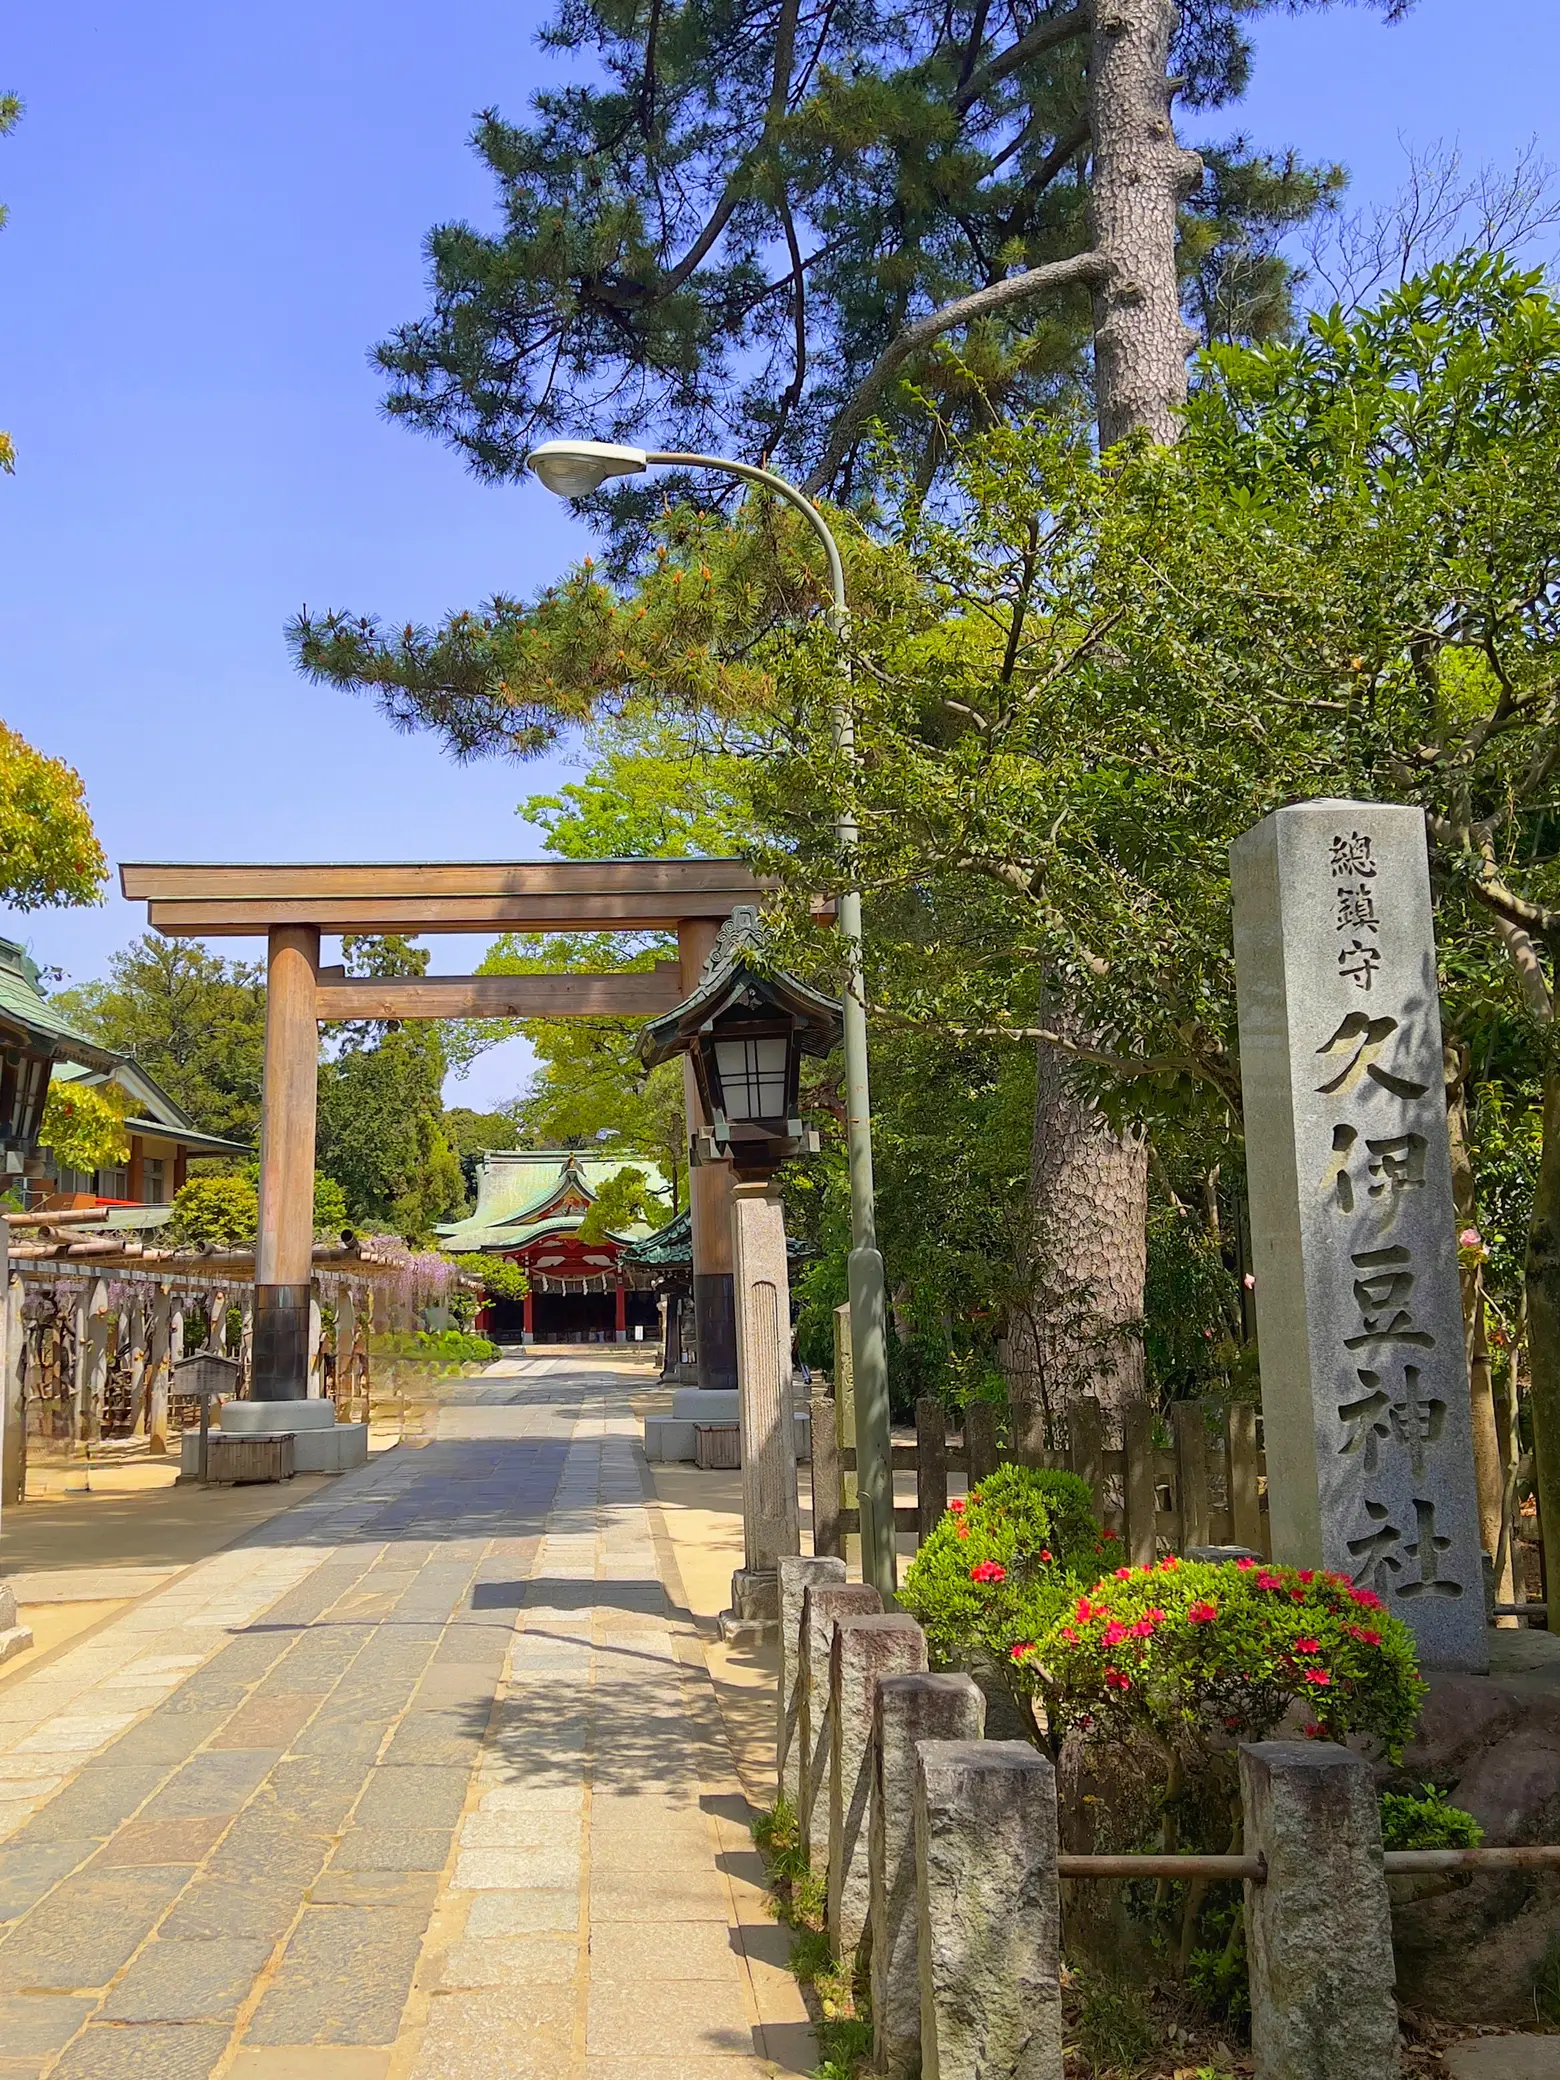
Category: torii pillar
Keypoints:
(709, 1199)
(284, 1249)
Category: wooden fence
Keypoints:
(1203, 1488)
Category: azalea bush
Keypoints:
(1155, 1675)
(1003, 1566)
(1200, 1655)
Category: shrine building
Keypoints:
(531, 1204)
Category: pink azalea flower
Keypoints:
(1318, 1676)
(1308, 1646)
(988, 1571)
(1115, 1632)
(1202, 1613)
(1269, 1581)
(1116, 1680)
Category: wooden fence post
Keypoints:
(1193, 1505)
(13, 1463)
(931, 1466)
(825, 1474)
(1086, 1447)
(1240, 1446)
(1138, 1495)
(980, 1440)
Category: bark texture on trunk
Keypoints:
(1543, 1302)
(1088, 1187)
(1141, 176)
(1081, 1332)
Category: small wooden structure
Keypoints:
(236, 1462)
(1202, 1489)
(290, 906)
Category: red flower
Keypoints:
(1116, 1680)
(1364, 1635)
(1025, 1646)
(1123, 1574)
(1269, 1581)
(1044, 1553)
(1115, 1632)
(1202, 1613)
(962, 1530)
(1308, 1574)
(1313, 1732)
(1112, 1538)
(1319, 1677)
(1168, 1562)
(1308, 1646)
(1087, 1610)
(1367, 1599)
(988, 1571)
(957, 1505)
(1069, 1635)
(1143, 1629)
(1244, 1564)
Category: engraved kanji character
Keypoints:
(1357, 910)
(1367, 1421)
(1352, 855)
(1377, 1552)
(1417, 1422)
(1398, 1161)
(1359, 962)
(1336, 1178)
(1427, 1549)
(1370, 1036)
(1384, 1283)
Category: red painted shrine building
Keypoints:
(531, 1204)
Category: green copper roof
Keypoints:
(515, 1187)
(23, 1004)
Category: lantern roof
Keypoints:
(736, 978)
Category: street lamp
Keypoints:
(573, 469)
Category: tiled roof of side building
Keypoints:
(23, 1004)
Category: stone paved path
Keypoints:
(423, 1781)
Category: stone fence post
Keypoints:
(909, 1709)
(989, 1912)
(821, 1607)
(798, 1574)
(864, 1651)
(1319, 1932)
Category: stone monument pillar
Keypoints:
(771, 1524)
(1354, 1245)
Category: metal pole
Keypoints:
(868, 1308)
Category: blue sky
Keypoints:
(214, 212)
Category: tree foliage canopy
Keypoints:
(49, 853)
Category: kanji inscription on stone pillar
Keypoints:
(1354, 1239)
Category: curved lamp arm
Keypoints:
(792, 497)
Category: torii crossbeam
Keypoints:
(290, 906)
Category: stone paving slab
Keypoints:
(422, 1779)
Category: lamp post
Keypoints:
(573, 469)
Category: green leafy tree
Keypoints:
(625, 1200)
(49, 853)
(84, 1128)
(381, 1108)
(193, 1021)
(223, 1212)
(758, 226)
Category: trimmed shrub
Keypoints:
(1201, 1655)
(1428, 1821)
(1002, 1567)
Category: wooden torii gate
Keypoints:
(290, 906)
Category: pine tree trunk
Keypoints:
(1088, 1187)
(1140, 178)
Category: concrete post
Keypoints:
(798, 1573)
(821, 1607)
(910, 1709)
(1319, 1932)
(989, 1912)
(284, 1248)
(771, 1520)
(1365, 1396)
(865, 1650)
